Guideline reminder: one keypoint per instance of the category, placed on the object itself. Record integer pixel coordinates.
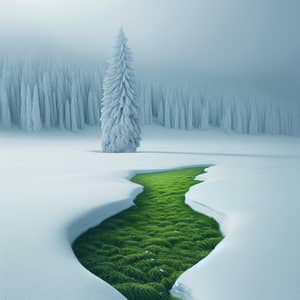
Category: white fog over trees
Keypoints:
(36, 96)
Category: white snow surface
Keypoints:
(56, 185)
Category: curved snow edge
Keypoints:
(95, 216)
(179, 289)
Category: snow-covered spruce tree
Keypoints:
(189, 114)
(119, 119)
(46, 85)
(36, 113)
(4, 107)
(28, 111)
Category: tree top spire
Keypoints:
(122, 36)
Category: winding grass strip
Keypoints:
(143, 250)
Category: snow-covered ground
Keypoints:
(54, 186)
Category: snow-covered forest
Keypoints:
(37, 96)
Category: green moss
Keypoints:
(136, 291)
(142, 250)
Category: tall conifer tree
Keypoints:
(119, 119)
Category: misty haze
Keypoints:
(149, 150)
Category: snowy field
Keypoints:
(55, 186)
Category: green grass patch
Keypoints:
(142, 250)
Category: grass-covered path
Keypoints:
(143, 250)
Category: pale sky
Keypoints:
(254, 41)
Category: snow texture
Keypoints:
(120, 125)
(55, 186)
(69, 98)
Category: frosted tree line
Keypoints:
(176, 108)
(34, 96)
(44, 95)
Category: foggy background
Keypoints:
(240, 45)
